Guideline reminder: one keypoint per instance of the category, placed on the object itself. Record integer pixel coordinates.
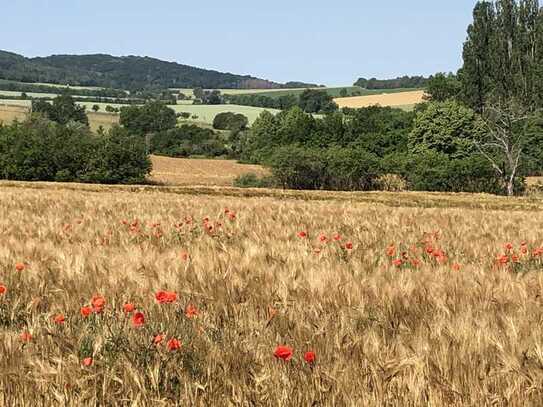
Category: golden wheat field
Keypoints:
(219, 296)
(386, 99)
(186, 171)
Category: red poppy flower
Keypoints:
(138, 319)
(322, 238)
(59, 319)
(164, 297)
(191, 311)
(391, 250)
(173, 344)
(337, 237)
(515, 258)
(26, 336)
(158, 339)
(349, 246)
(283, 352)
(397, 262)
(302, 235)
(503, 259)
(3, 289)
(86, 311)
(310, 357)
(184, 256)
(232, 216)
(128, 308)
(98, 303)
(456, 267)
(20, 266)
(508, 246)
(87, 362)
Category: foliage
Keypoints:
(445, 127)
(230, 121)
(41, 150)
(316, 101)
(441, 87)
(150, 118)
(186, 141)
(401, 82)
(503, 55)
(127, 72)
(62, 110)
(251, 180)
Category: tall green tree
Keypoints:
(475, 75)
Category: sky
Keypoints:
(323, 42)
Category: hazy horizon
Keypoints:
(284, 42)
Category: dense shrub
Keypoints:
(188, 140)
(40, 150)
(251, 180)
(333, 169)
(230, 121)
(433, 171)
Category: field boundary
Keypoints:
(390, 199)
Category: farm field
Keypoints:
(186, 171)
(333, 91)
(206, 113)
(9, 113)
(406, 299)
(398, 99)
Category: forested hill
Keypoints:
(128, 72)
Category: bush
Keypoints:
(433, 171)
(251, 180)
(391, 183)
(334, 169)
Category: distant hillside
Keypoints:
(127, 72)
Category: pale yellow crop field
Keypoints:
(388, 99)
(186, 171)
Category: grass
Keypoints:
(456, 329)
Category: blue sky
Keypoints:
(328, 42)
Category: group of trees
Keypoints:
(479, 131)
(310, 101)
(503, 56)
(41, 149)
(397, 83)
(434, 148)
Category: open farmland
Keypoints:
(185, 171)
(406, 299)
(398, 99)
(10, 113)
(206, 113)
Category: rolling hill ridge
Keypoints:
(125, 72)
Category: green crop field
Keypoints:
(206, 113)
